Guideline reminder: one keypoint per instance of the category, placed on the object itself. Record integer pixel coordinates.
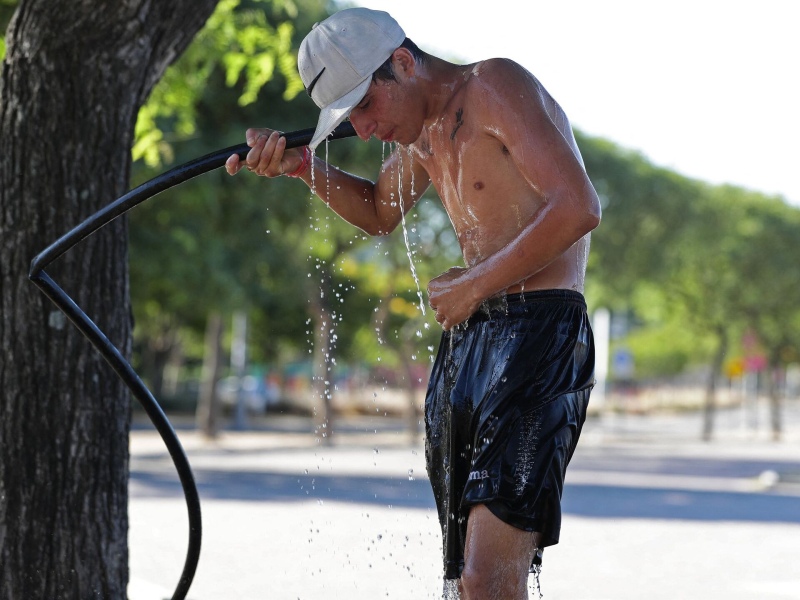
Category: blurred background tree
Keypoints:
(694, 269)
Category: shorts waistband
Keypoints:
(510, 304)
(535, 295)
(503, 300)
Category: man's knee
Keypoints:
(483, 582)
(496, 559)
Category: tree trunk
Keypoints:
(710, 406)
(157, 352)
(406, 355)
(73, 79)
(322, 376)
(775, 392)
(406, 350)
(208, 404)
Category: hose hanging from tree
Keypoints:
(111, 354)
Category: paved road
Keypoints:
(650, 513)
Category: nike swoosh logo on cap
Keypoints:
(311, 85)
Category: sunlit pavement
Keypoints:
(650, 513)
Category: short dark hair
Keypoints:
(386, 73)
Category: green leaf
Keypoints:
(240, 44)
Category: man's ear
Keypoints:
(403, 62)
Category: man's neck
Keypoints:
(441, 81)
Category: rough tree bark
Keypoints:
(73, 79)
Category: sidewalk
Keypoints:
(649, 513)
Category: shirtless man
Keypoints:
(510, 385)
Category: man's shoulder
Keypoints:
(498, 83)
(500, 76)
(499, 69)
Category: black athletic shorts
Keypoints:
(505, 405)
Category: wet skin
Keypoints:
(500, 152)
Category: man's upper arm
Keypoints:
(537, 135)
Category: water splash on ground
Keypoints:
(450, 590)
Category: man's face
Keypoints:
(389, 112)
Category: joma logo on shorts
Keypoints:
(477, 475)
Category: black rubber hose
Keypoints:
(112, 355)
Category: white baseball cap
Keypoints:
(338, 57)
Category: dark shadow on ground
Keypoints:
(284, 487)
(594, 501)
(625, 461)
(617, 502)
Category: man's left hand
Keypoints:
(451, 296)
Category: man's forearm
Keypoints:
(545, 239)
(349, 196)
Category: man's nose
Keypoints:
(364, 127)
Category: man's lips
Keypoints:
(388, 137)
